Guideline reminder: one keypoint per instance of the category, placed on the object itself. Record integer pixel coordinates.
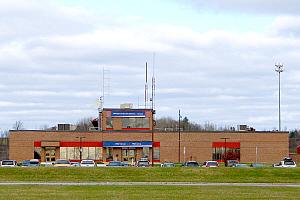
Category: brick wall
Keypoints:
(271, 146)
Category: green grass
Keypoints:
(146, 192)
(177, 174)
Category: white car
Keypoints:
(210, 163)
(286, 163)
(87, 163)
(8, 163)
(101, 164)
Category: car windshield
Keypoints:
(143, 163)
(7, 162)
(25, 162)
(90, 162)
(62, 162)
(289, 162)
(192, 164)
(169, 164)
(34, 162)
(114, 164)
(212, 164)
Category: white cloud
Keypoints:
(220, 76)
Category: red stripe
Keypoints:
(135, 129)
(156, 160)
(228, 144)
(37, 143)
(156, 144)
(109, 129)
(83, 144)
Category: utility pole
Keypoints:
(225, 154)
(279, 69)
(80, 146)
(179, 134)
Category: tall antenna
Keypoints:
(105, 84)
(153, 85)
(146, 86)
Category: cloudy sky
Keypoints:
(214, 60)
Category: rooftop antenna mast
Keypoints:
(153, 85)
(146, 86)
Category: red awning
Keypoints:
(228, 145)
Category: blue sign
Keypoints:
(127, 144)
(128, 114)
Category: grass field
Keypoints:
(156, 174)
(146, 192)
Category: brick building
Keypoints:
(128, 134)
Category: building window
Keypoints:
(73, 153)
(109, 153)
(109, 122)
(37, 153)
(146, 151)
(135, 123)
(156, 153)
(231, 153)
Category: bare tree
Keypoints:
(84, 124)
(18, 125)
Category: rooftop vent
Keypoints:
(126, 106)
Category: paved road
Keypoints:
(150, 184)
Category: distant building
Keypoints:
(126, 135)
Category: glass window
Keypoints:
(109, 153)
(146, 152)
(70, 153)
(156, 153)
(98, 153)
(231, 153)
(63, 153)
(76, 153)
(85, 152)
(37, 153)
(135, 123)
(92, 153)
(109, 122)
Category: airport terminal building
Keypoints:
(129, 134)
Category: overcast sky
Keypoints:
(214, 59)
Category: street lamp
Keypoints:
(179, 134)
(279, 69)
(80, 147)
(225, 154)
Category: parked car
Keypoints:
(241, 165)
(25, 163)
(125, 164)
(257, 165)
(8, 163)
(115, 164)
(231, 163)
(62, 163)
(286, 163)
(87, 163)
(167, 164)
(34, 163)
(101, 164)
(191, 164)
(75, 164)
(143, 163)
(210, 164)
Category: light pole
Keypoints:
(179, 134)
(225, 154)
(80, 147)
(279, 69)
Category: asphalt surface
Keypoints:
(149, 184)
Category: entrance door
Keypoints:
(128, 155)
(50, 154)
